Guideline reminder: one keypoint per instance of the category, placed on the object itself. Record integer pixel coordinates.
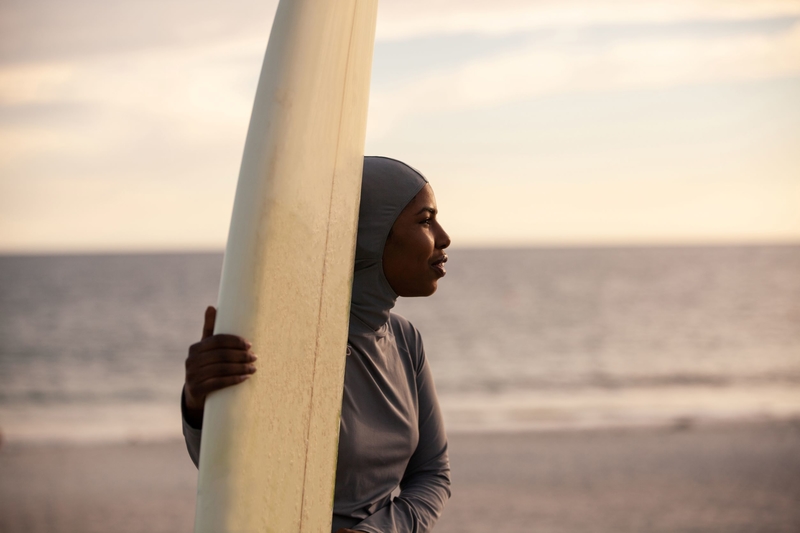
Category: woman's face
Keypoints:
(413, 258)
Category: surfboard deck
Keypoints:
(269, 445)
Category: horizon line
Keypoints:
(542, 245)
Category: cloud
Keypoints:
(544, 68)
(111, 109)
(181, 97)
(53, 30)
(406, 19)
(50, 30)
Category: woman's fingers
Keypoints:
(221, 340)
(214, 384)
(201, 359)
(216, 362)
(208, 323)
(210, 371)
(219, 370)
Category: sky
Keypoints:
(538, 123)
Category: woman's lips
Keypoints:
(438, 266)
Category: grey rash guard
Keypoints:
(391, 432)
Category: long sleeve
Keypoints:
(191, 435)
(391, 435)
(425, 487)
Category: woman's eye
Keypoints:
(427, 221)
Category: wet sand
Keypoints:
(714, 478)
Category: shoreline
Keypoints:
(678, 423)
(720, 477)
(473, 413)
(674, 423)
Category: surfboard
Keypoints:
(269, 445)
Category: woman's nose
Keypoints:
(443, 239)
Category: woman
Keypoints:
(391, 432)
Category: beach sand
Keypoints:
(706, 478)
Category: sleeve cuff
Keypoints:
(186, 421)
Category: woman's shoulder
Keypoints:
(407, 337)
(401, 325)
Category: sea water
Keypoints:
(92, 347)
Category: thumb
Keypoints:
(208, 325)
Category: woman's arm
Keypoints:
(216, 362)
(425, 487)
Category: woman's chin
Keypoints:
(420, 292)
(429, 290)
(433, 288)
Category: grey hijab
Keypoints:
(387, 187)
(390, 425)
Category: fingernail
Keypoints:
(253, 357)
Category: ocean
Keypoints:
(93, 346)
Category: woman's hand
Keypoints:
(216, 362)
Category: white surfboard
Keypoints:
(269, 445)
